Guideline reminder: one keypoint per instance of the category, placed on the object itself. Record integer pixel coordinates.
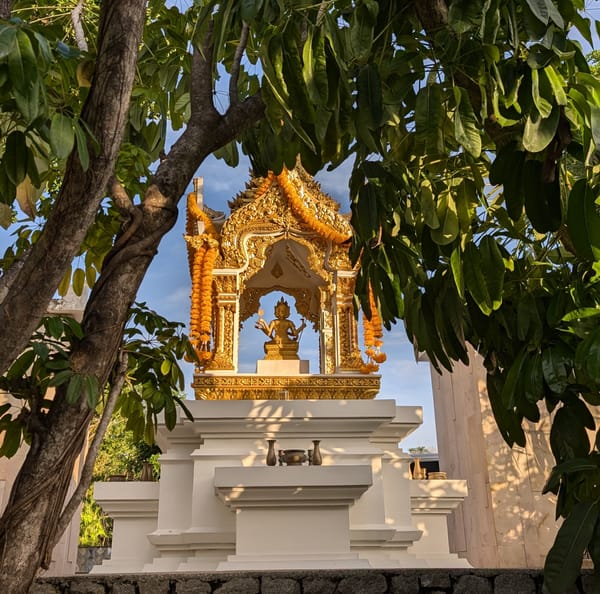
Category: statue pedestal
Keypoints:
(282, 366)
(282, 511)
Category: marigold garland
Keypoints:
(303, 212)
(373, 334)
(203, 250)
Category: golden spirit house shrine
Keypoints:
(288, 467)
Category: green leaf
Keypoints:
(15, 158)
(62, 135)
(361, 32)
(493, 269)
(165, 367)
(427, 204)
(61, 377)
(22, 64)
(54, 326)
(8, 38)
(21, 365)
(65, 283)
(539, 9)
(539, 131)
(82, 148)
(542, 200)
(564, 559)
(92, 391)
(568, 435)
(557, 84)
(457, 272)
(466, 130)
(429, 118)
(556, 365)
(543, 105)
(74, 389)
(446, 213)
(475, 282)
(583, 221)
(78, 281)
(369, 99)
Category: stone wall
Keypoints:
(373, 581)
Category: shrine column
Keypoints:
(348, 357)
(225, 322)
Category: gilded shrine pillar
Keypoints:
(348, 357)
(225, 321)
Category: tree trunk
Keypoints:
(40, 489)
(25, 295)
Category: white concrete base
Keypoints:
(282, 367)
(295, 561)
(292, 517)
(134, 509)
(432, 501)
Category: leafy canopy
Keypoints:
(474, 126)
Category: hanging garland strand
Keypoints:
(300, 209)
(203, 250)
(373, 338)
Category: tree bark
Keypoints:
(39, 492)
(25, 296)
(5, 9)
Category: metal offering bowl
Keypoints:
(294, 457)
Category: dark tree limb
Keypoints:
(235, 67)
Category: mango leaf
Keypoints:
(568, 435)
(556, 366)
(564, 559)
(74, 389)
(15, 158)
(314, 69)
(457, 272)
(475, 282)
(427, 204)
(543, 105)
(539, 9)
(493, 269)
(583, 221)
(429, 118)
(361, 32)
(557, 84)
(5, 215)
(369, 99)
(542, 200)
(8, 38)
(78, 281)
(466, 130)
(62, 135)
(446, 213)
(539, 131)
(22, 64)
(27, 196)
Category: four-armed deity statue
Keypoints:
(283, 333)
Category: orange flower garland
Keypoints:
(301, 210)
(203, 250)
(373, 334)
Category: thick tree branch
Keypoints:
(77, 20)
(237, 61)
(120, 197)
(92, 453)
(201, 80)
(105, 112)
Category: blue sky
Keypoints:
(167, 289)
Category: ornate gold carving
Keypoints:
(261, 387)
